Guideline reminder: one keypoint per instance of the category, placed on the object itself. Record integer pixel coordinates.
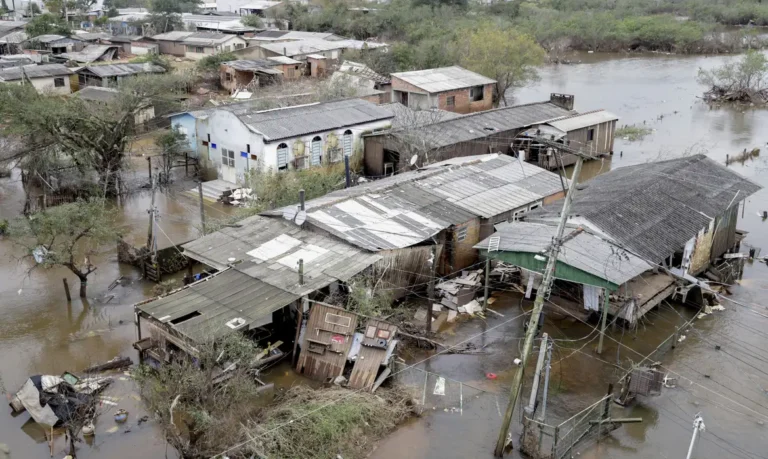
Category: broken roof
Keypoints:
(207, 38)
(50, 38)
(582, 250)
(653, 209)
(479, 125)
(294, 35)
(409, 208)
(202, 310)
(34, 71)
(92, 53)
(443, 79)
(269, 250)
(361, 71)
(582, 120)
(112, 70)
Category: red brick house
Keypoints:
(453, 89)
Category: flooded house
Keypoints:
(401, 148)
(635, 231)
(265, 273)
(233, 139)
(454, 89)
(447, 207)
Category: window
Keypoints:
(347, 143)
(199, 50)
(336, 319)
(227, 76)
(228, 48)
(227, 157)
(58, 82)
(317, 151)
(190, 49)
(461, 234)
(450, 101)
(590, 135)
(476, 93)
(535, 206)
(239, 46)
(282, 157)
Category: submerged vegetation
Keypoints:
(741, 80)
(632, 132)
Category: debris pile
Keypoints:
(459, 294)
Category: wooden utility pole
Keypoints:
(537, 376)
(202, 204)
(151, 211)
(541, 295)
(603, 320)
(432, 270)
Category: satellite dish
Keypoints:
(414, 158)
(301, 217)
(289, 213)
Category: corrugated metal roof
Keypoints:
(92, 36)
(410, 208)
(34, 71)
(283, 60)
(306, 119)
(443, 79)
(176, 35)
(294, 35)
(217, 300)
(49, 38)
(251, 64)
(479, 125)
(8, 63)
(208, 38)
(18, 36)
(7, 26)
(122, 69)
(573, 122)
(263, 5)
(653, 209)
(584, 251)
(97, 93)
(268, 249)
(301, 47)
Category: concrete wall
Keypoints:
(227, 131)
(225, 47)
(48, 86)
(173, 48)
(187, 124)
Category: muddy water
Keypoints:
(41, 333)
(728, 386)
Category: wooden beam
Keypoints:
(617, 421)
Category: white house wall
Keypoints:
(47, 86)
(227, 131)
(211, 50)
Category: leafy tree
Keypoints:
(503, 54)
(45, 24)
(252, 21)
(33, 9)
(745, 79)
(67, 235)
(213, 62)
(94, 137)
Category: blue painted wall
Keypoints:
(187, 122)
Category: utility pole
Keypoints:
(202, 204)
(698, 426)
(151, 211)
(538, 305)
(487, 278)
(536, 376)
(603, 320)
(547, 367)
(433, 268)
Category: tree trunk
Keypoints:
(83, 286)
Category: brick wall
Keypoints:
(462, 102)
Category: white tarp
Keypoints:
(30, 398)
(591, 298)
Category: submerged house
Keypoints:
(479, 133)
(678, 215)
(449, 206)
(235, 138)
(268, 270)
(454, 89)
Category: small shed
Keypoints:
(327, 340)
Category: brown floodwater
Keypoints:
(41, 333)
(729, 387)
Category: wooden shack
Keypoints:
(327, 340)
(378, 342)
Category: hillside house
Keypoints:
(202, 44)
(233, 139)
(362, 76)
(418, 144)
(52, 79)
(451, 205)
(279, 36)
(55, 44)
(249, 74)
(110, 75)
(591, 133)
(171, 42)
(453, 89)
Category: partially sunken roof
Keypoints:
(582, 250)
(443, 79)
(409, 208)
(34, 71)
(653, 209)
(301, 120)
(92, 53)
(111, 70)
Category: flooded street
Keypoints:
(729, 387)
(41, 333)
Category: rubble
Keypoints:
(458, 295)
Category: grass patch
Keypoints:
(632, 133)
(320, 424)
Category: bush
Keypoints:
(212, 63)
